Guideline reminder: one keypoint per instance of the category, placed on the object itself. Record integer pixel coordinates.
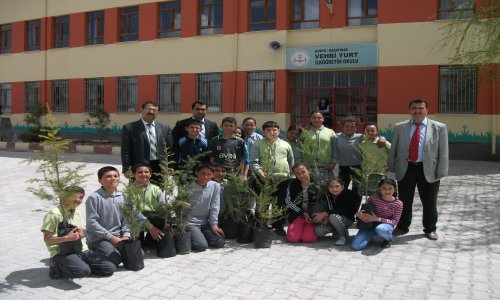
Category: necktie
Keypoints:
(152, 142)
(415, 139)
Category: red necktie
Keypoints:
(415, 139)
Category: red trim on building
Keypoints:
(281, 91)
(148, 21)
(49, 38)
(230, 17)
(44, 33)
(148, 90)
(17, 97)
(240, 101)
(337, 18)
(110, 104)
(283, 15)
(398, 85)
(77, 29)
(45, 90)
(18, 37)
(228, 91)
(76, 95)
(486, 91)
(188, 91)
(397, 11)
(243, 16)
(190, 23)
(111, 26)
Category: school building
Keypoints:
(270, 59)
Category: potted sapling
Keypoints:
(132, 208)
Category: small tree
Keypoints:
(238, 196)
(363, 176)
(101, 120)
(132, 208)
(33, 120)
(56, 174)
(309, 152)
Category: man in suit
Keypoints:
(144, 141)
(419, 157)
(209, 129)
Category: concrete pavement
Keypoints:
(463, 264)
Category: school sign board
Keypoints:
(332, 56)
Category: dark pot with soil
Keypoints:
(133, 258)
(263, 237)
(166, 246)
(245, 233)
(183, 242)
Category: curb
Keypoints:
(72, 148)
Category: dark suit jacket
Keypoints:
(135, 144)
(211, 129)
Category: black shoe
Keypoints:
(279, 230)
(54, 272)
(399, 231)
(386, 244)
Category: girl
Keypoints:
(387, 213)
(299, 214)
(317, 146)
(249, 134)
(293, 138)
(338, 208)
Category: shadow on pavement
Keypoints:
(36, 278)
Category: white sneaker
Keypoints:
(341, 242)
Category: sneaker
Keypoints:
(279, 230)
(341, 242)
(386, 244)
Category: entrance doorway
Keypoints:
(348, 93)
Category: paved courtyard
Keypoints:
(463, 264)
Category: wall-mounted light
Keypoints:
(329, 4)
(274, 45)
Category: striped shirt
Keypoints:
(388, 211)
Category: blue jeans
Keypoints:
(363, 237)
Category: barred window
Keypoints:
(211, 16)
(455, 9)
(362, 12)
(260, 91)
(170, 19)
(61, 32)
(127, 94)
(95, 27)
(5, 38)
(33, 35)
(169, 93)
(94, 94)
(5, 97)
(209, 90)
(129, 24)
(262, 15)
(31, 95)
(305, 14)
(457, 89)
(60, 96)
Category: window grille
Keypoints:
(5, 98)
(260, 91)
(127, 94)
(457, 90)
(31, 95)
(209, 90)
(169, 93)
(60, 96)
(94, 94)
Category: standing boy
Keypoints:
(193, 145)
(106, 227)
(78, 264)
(229, 150)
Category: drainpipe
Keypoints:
(493, 112)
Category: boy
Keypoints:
(205, 205)
(72, 265)
(226, 222)
(106, 227)
(228, 150)
(272, 159)
(191, 145)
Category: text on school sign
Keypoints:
(332, 56)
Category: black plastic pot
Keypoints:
(166, 246)
(263, 237)
(183, 242)
(133, 258)
(245, 233)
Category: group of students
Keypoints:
(244, 152)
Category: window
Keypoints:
(305, 14)
(5, 98)
(260, 91)
(455, 9)
(95, 28)
(60, 96)
(262, 15)
(209, 90)
(362, 12)
(210, 16)
(457, 90)
(169, 93)
(129, 24)
(31, 95)
(94, 94)
(61, 32)
(33, 33)
(170, 19)
(5, 38)
(127, 94)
